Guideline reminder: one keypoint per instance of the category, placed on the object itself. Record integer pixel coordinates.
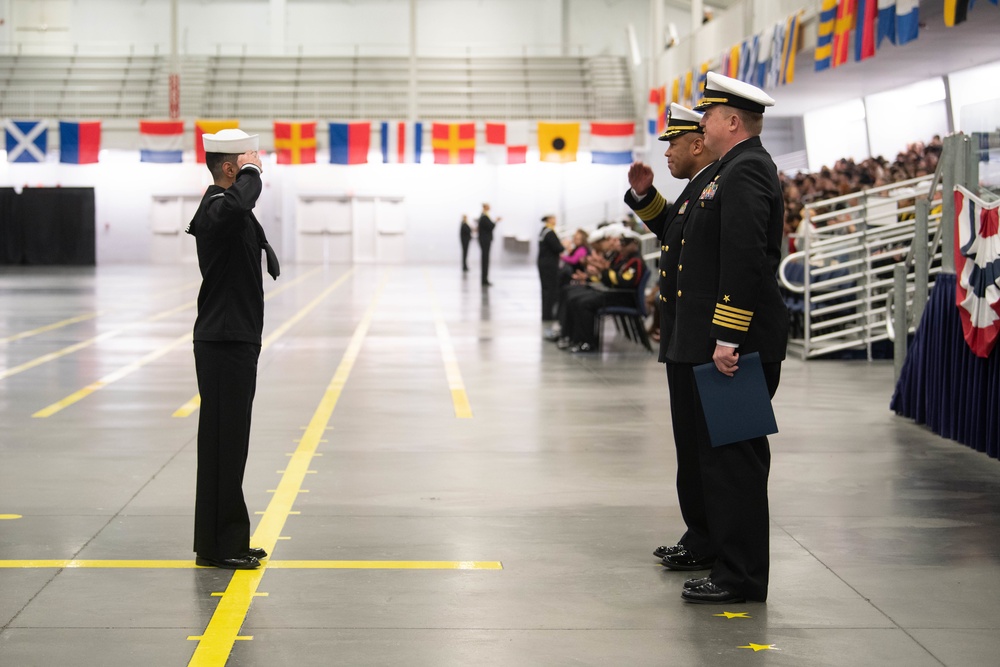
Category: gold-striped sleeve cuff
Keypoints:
(653, 209)
(732, 318)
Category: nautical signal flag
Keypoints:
(842, 30)
(907, 20)
(955, 12)
(209, 127)
(161, 140)
(295, 142)
(791, 47)
(558, 142)
(349, 142)
(453, 143)
(611, 143)
(824, 34)
(507, 143)
(79, 142)
(26, 140)
(402, 142)
(656, 115)
(864, 32)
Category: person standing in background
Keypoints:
(549, 250)
(486, 226)
(465, 234)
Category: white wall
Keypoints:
(903, 115)
(975, 98)
(836, 132)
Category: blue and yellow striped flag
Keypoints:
(824, 37)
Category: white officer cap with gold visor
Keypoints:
(681, 120)
(734, 93)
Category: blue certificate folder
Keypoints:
(739, 407)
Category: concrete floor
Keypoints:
(885, 539)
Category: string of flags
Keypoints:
(845, 29)
(765, 60)
(869, 23)
(162, 141)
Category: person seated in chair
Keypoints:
(617, 287)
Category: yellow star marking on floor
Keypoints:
(734, 614)
(9, 516)
(761, 647)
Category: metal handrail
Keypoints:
(850, 260)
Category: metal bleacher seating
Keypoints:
(343, 87)
(127, 86)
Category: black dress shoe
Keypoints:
(241, 563)
(710, 594)
(258, 553)
(695, 583)
(583, 348)
(662, 552)
(686, 560)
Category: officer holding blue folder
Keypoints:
(727, 303)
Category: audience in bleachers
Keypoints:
(846, 176)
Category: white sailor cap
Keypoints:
(734, 93)
(630, 234)
(231, 141)
(615, 230)
(681, 120)
(596, 235)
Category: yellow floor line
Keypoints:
(90, 316)
(278, 564)
(7, 372)
(128, 369)
(216, 643)
(54, 325)
(459, 397)
(195, 401)
(110, 378)
(385, 565)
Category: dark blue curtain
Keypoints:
(943, 384)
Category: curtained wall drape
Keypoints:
(943, 384)
(48, 226)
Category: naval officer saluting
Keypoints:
(687, 158)
(728, 304)
(227, 339)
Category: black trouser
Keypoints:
(548, 274)
(567, 296)
(227, 380)
(584, 313)
(485, 263)
(465, 254)
(722, 491)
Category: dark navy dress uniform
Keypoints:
(227, 341)
(667, 222)
(727, 291)
(549, 250)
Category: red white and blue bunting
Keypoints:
(977, 265)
